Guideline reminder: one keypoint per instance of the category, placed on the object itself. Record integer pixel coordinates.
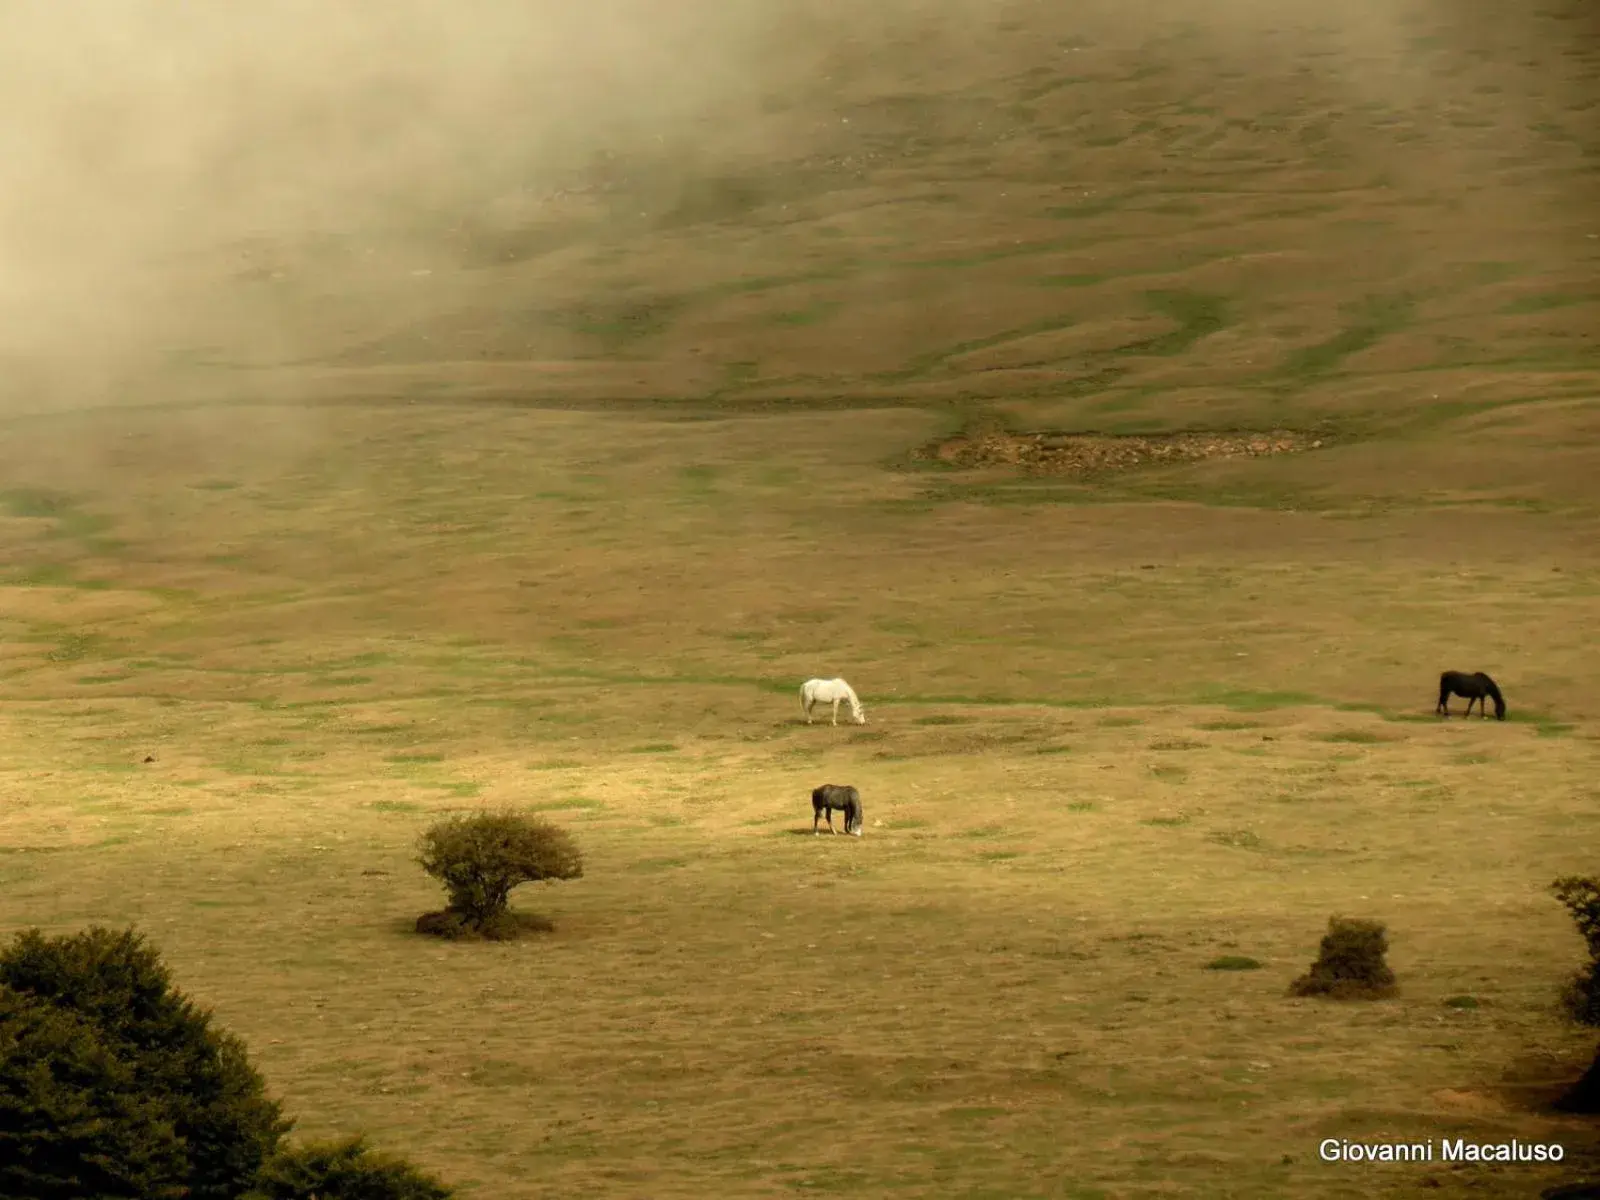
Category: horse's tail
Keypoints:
(1494, 694)
(855, 812)
(805, 689)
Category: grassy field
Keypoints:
(564, 522)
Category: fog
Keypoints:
(139, 137)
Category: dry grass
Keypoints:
(1119, 730)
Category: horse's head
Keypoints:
(860, 715)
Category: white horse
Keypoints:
(831, 691)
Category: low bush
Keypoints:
(1350, 963)
(480, 858)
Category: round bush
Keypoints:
(480, 858)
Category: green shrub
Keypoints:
(168, 1075)
(480, 858)
(1350, 964)
(1581, 895)
(73, 1120)
(1233, 962)
(344, 1170)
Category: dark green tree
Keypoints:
(74, 1122)
(193, 1081)
(344, 1170)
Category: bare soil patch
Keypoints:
(1087, 454)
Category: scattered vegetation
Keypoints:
(479, 858)
(1350, 963)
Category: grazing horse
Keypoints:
(831, 796)
(831, 691)
(1473, 687)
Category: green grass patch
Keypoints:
(984, 831)
(816, 314)
(75, 647)
(1544, 302)
(1233, 962)
(463, 789)
(1198, 314)
(1092, 206)
(1238, 839)
(1368, 322)
(1250, 701)
(564, 803)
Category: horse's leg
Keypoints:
(835, 721)
(814, 817)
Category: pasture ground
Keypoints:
(1121, 724)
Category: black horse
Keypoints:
(831, 796)
(1473, 687)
